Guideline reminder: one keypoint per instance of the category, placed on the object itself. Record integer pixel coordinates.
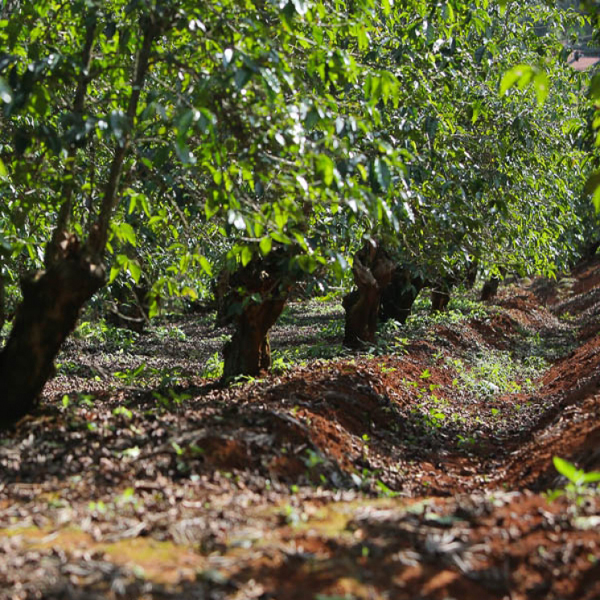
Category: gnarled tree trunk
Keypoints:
(53, 298)
(441, 290)
(249, 350)
(49, 311)
(440, 297)
(490, 289)
(399, 296)
(471, 273)
(256, 296)
(372, 270)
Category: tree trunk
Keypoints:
(256, 296)
(372, 271)
(52, 300)
(399, 296)
(440, 298)
(249, 351)
(490, 289)
(440, 292)
(2, 300)
(471, 273)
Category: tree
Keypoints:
(277, 133)
(42, 63)
(470, 176)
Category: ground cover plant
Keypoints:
(287, 300)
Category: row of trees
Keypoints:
(169, 140)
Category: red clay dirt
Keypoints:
(425, 472)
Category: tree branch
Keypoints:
(53, 250)
(99, 234)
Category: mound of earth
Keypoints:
(421, 470)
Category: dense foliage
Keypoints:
(178, 136)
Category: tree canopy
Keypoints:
(168, 138)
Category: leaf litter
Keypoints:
(422, 469)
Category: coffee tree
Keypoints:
(145, 138)
(485, 179)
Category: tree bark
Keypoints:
(440, 298)
(471, 273)
(52, 300)
(249, 350)
(372, 270)
(399, 296)
(490, 289)
(257, 294)
(2, 300)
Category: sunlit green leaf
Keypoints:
(205, 265)
(135, 270)
(246, 255)
(541, 86)
(566, 469)
(265, 245)
(520, 74)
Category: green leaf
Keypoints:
(308, 263)
(114, 272)
(325, 168)
(271, 80)
(596, 199)
(521, 75)
(154, 308)
(205, 265)
(189, 292)
(6, 93)
(210, 209)
(184, 122)
(592, 183)
(541, 86)
(594, 90)
(591, 477)
(246, 255)
(382, 173)
(265, 245)
(242, 77)
(5, 245)
(566, 469)
(127, 233)
(135, 270)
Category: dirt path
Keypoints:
(419, 471)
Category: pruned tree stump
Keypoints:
(52, 300)
(490, 289)
(399, 296)
(372, 270)
(255, 297)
